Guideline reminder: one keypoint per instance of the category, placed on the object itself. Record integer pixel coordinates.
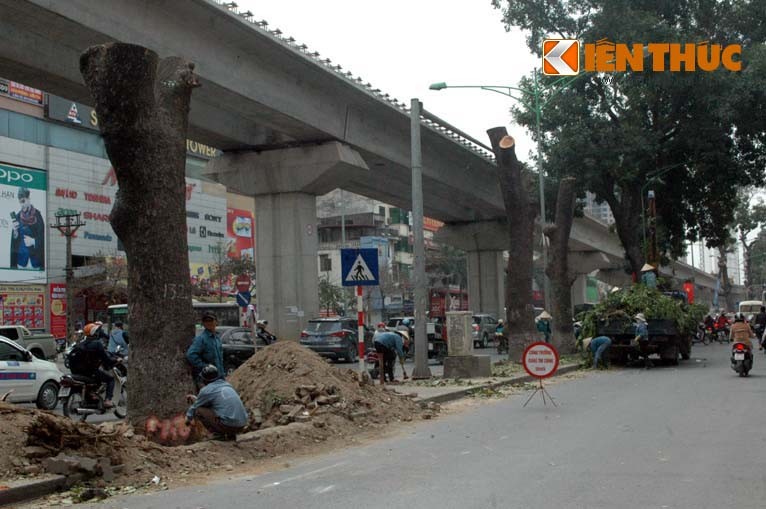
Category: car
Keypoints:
(26, 378)
(335, 338)
(408, 323)
(238, 346)
(42, 345)
(483, 330)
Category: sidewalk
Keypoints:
(444, 393)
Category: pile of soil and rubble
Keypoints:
(286, 383)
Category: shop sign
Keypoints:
(58, 310)
(23, 305)
(21, 92)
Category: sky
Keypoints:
(403, 46)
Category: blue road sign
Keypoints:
(243, 299)
(359, 267)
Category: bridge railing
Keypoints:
(429, 120)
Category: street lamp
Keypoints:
(537, 105)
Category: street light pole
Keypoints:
(68, 224)
(421, 369)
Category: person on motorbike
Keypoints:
(722, 322)
(741, 332)
(267, 336)
(709, 322)
(118, 339)
(760, 326)
(96, 357)
(217, 406)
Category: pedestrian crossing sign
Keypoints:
(359, 267)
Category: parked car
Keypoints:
(42, 345)
(483, 330)
(238, 346)
(26, 377)
(408, 323)
(336, 338)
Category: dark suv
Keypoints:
(332, 337)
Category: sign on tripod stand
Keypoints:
(540, 360)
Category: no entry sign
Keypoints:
(540, 360)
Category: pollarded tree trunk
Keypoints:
(520, 326)
(143, 106)
(558, 266)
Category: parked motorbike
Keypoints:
(371, 363)
(82, 396)
(741, 358)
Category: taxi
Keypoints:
(25, 378)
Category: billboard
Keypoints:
(22, 223)
(239, 229)
(58, 310)
(23, 305)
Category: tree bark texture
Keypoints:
(629, 225)
(558, 266)
(143, 106)
(521, 213)
(723, 271)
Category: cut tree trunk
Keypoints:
(143, 106)
(520, 325)
(558, 267)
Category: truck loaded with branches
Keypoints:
(671, 321)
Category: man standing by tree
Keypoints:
(206, 348)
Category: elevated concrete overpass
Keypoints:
(292, 125)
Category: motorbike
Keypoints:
(741, 358)
(702, 335)
(371, 363)
(721, 334)
(501, 343)
(82, 396)
(267, 337)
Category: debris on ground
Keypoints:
(506, 368)
(286, 383)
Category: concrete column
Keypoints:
(285, 183)
(486, 275)
(484, 243)
(286, 261)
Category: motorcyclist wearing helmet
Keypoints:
(741, 332)
(217, 406)
(97, 358)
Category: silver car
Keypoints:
(483, 330)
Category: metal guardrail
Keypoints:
(430, 121)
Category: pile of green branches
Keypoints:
(625, 304)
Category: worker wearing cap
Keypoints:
(381, 328)
(648, 276)
(389, 345)
(206, 348)
(543, 323)
(598, 347)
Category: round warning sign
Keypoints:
(540, 360)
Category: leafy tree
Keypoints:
(330, 296)
(615, 131)
(223, 267)
(446, 266)
(748, 218)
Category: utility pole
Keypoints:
(421, 340)
(68, 224)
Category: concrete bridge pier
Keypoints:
(484, 243)
(285, 183)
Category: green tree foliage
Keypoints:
(748, 218)
(613, 131)
(446, 266)
(331, 297)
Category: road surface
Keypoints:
(668, 437)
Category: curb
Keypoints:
(462, 393)
(19, 491)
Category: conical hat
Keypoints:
(544, 316)
(586, 343)
(646, 267)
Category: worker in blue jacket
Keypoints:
(598, 347)
(206, 348)
(389, 345)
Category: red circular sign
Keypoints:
(540, 360)
(243, 283)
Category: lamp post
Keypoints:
(537, 106)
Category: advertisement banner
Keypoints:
(58, 310)
(23, 305)
(25, 93)
(239, 229)
(22, 223)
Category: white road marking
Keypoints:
(301, 476)
(325, 489)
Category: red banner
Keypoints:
(240, 228)
(58, 310)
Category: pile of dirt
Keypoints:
(28, 437)
(286, 382)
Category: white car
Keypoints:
(27, 378)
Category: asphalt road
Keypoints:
(686, 437)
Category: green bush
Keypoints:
(625, 304)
